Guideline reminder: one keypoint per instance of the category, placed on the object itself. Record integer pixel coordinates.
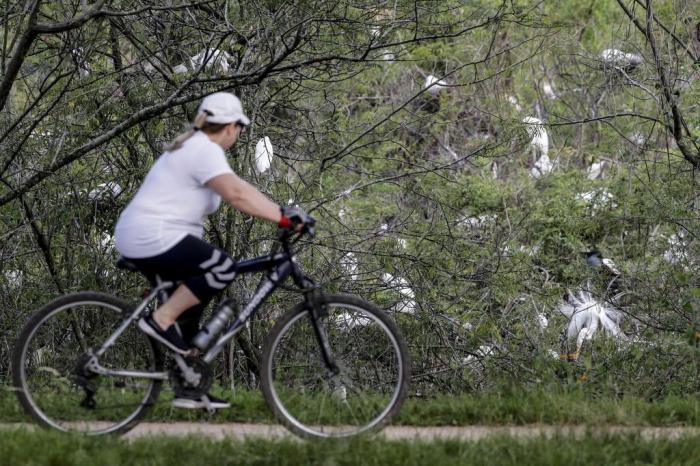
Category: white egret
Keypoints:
(210, 58)
(586, 315)
(478, 221)
(677, 252)
(107, 190)
(595, 170)
(349, 263)
(540, 138)
(482, 352)
(408, 303)
(434, 85)
(548, 90)
(14, 278)
(616, 57)
(514, 102)
(263, 155)
(597, 198)
(542, 166)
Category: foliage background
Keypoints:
(393, 171)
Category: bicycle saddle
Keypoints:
(125, 264)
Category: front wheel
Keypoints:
(48, 365)
(373, 363)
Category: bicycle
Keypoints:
(333, 366)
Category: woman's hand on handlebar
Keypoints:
(295, 219)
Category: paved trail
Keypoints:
(470, 433)
(467, 433)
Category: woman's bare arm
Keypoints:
(245, 197)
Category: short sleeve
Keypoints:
(210, 163)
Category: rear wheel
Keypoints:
(49, 358)
(368, 349)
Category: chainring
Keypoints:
(182, 387)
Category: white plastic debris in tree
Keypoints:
(104, 191)
(548, 90)
(408, 303)
(540, 138)
(434, 85)
(542, 166)
(595, 170)
(616, 57)
(263, 155)
(349, 263)
(514, 102)
(587, 315)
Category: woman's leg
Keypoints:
(204, 271)
(180, 301)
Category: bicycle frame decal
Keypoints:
(266, 289)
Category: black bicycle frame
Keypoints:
(281, 266)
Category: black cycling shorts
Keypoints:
(206, 270)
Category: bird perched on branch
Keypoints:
(618, 58)
(263, 155)
(539, 145)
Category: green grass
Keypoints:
(574, 407)
(20, 447)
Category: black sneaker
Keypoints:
(169, 337)
(206, 401)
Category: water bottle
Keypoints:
(210, 331)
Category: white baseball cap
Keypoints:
(223, 107)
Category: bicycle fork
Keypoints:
(319, 310)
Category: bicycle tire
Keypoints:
(45, 358)
(366, 397)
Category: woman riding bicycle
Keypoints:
(161, 229)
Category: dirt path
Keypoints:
(467, 433)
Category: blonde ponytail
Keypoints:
(199, 122)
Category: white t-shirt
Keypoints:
(173, 200)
